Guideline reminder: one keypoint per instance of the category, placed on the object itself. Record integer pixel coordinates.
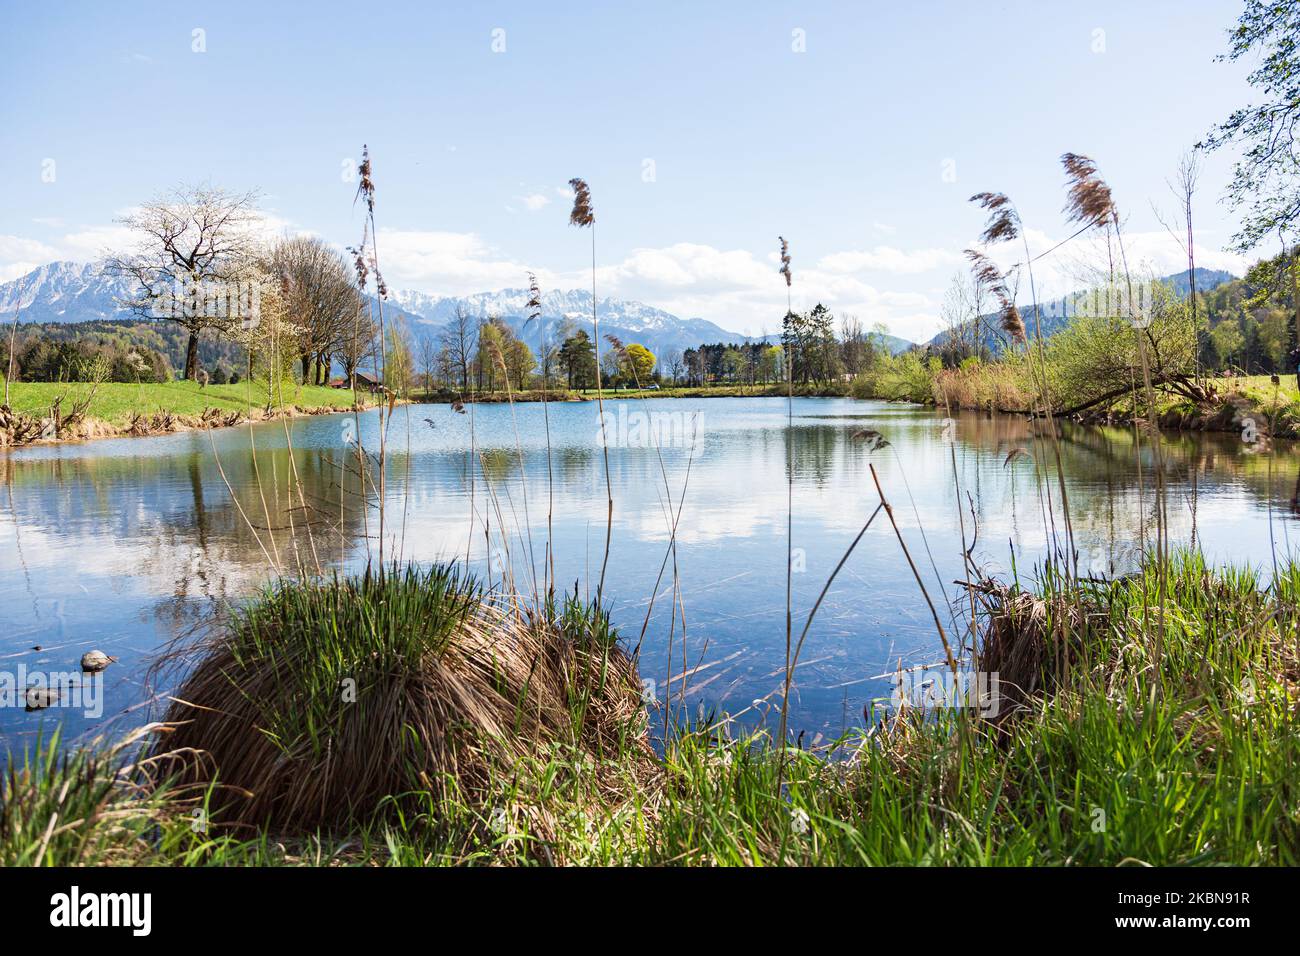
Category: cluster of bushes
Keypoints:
(906, 377)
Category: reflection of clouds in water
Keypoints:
(148, 527)
(152, 561)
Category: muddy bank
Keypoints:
(1235, 414)
(18, 429)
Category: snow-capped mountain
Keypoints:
(79, 292)
(625, 319)
(64, 292)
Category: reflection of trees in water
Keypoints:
(179, 520)
(498, 464)
(572, 461)
(822, 453)
(1109, 475)
(172, 517)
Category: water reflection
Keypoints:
(126, 544)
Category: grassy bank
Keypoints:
(1131, 737)
(72, 411)
(116, 402)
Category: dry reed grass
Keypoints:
(447, 687)
(1031, 641)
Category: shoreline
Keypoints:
(159, 423)
(16, 426)
(1226, 418)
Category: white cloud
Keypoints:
(93, 242)
(889, 259)
(447, 263)
(690, 265)
(743, 293)
(535, 201)
(20, 255)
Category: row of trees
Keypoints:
(199, 261)
(1250, 323)
(296, 305)
(820, 355)
(473, 354)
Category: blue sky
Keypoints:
(703, 132)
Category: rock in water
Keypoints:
(38, 698)
(92, 662)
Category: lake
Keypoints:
(127, 545)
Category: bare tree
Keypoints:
(428, 358)
(320, 298)
(1183, 187)
(195, 254)
(854, 346)
(447, 368)
(460, 339)
(358, 343)
(967, 328)
(671, 360)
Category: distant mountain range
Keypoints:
(78, 292)
(1052, 317)
(627, 320)
(64, 292)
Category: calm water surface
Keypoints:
(128, 544)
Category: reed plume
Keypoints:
(534, 310)
(365, 181)
(789, 526)
(365, 257)
(1004, 222)
(583, 216)
(534, 305)
(992, 280)
(1088, 198)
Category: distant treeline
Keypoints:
(112, 350)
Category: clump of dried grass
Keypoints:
(325, 702)
(1033, 642)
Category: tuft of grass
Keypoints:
(327, 702)
(93, 805)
